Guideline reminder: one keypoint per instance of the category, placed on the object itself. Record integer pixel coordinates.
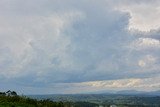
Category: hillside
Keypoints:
(11, 99)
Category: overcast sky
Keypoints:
(79, 46)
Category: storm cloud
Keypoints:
(49, 43)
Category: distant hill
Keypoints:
(130, 92)
(135, 92)
(107, 99)
(154, 93)
(77, 97)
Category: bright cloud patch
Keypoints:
(144, 84)
(144, 15)
(147, 61)
(146, 43)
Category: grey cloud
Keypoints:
(68, 41)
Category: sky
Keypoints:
(79, 46)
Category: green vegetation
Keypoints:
(17, 101)
(11, 99)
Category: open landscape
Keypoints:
(79, 53)
(11, 99)
(120, 99)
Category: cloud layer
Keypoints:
(47, 43)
